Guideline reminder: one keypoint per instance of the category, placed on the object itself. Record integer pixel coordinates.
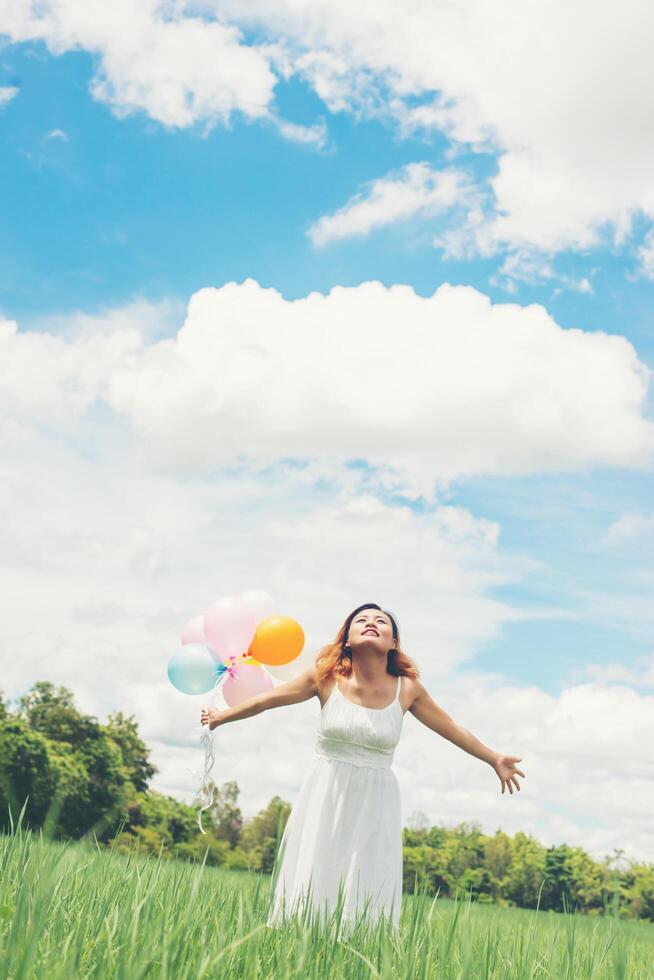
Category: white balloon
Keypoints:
(261, 603)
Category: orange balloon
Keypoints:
(277, 640)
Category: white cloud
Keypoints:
(645, 255)
(340, 85)
(7, 93)
(464, 387)
(557, 91)
(630, 525)
(417, 189)
(48, 379)
(60, 368)
(57, 134)
(179, 70)
(640, 675)
(315, 135)
(535, 268)
(528, 267)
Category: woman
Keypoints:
(341, 849)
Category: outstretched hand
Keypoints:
(506, 769)
(210, 717)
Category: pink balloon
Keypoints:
(193, 631)
(249, 680)
(229, 627)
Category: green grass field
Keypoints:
(78, 910)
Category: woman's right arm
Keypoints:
(301, 688)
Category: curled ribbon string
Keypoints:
(207, 789)
(205, 795)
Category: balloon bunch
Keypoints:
(240, 643)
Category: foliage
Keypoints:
(135, 753)
(226, 814)
(26, 770)
(262, 834)
(72, 772)
(51, 710)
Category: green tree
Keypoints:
(158, 823)
(462, 851)
(226, 814)
(591, 886)
(424, 870)
(498, 855)
(424, 836)
(81, 767)
(176, 820)
(68, 815)
(527, 872)
(26, 772)
(261, 835)
(640, 891)
(559, 879)
(51, 710)
(136, 755)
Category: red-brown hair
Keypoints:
(332, 661)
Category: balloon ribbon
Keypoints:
(207, 789)
(206, 793)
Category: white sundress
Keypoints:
(346, 823)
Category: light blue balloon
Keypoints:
(192, 669)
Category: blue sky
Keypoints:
(109, 209)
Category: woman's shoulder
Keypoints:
(411, 689)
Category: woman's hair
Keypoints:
(333, 660)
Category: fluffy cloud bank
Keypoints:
(429, 389)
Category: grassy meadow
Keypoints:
(81, 910)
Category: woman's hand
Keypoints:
(211, 717)
(506, 769)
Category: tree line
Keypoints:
(75, 776)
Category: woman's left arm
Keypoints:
(425, 709)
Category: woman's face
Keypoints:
(371, 628)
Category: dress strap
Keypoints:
(397, 693)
